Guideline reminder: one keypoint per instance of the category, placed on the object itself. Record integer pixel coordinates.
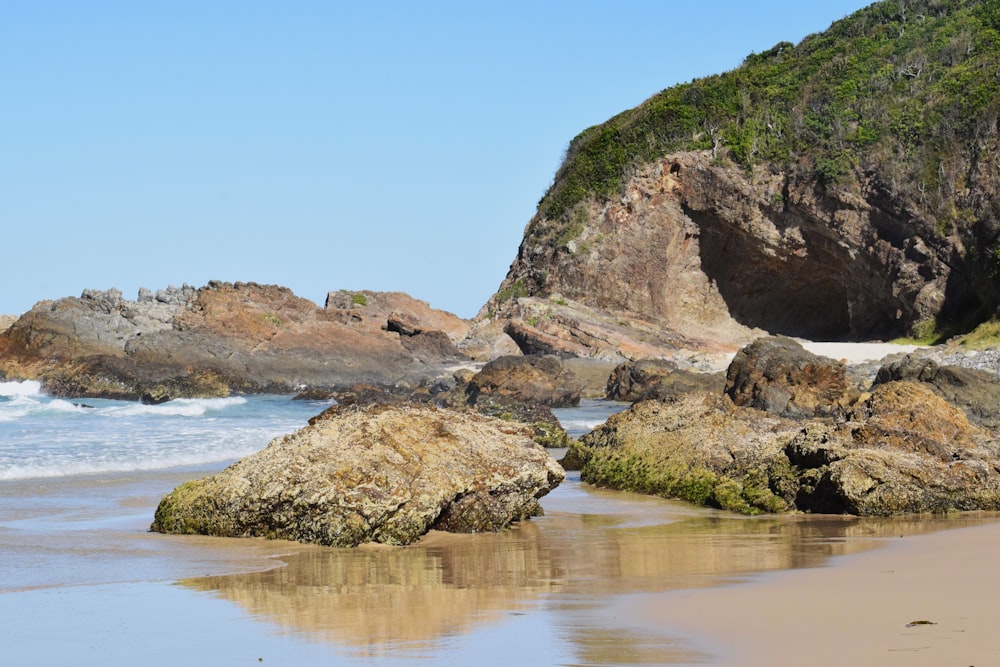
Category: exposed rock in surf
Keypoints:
(372, 474)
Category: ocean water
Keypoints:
(45, 437)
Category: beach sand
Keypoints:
(923, 600)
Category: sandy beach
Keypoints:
(925, 600)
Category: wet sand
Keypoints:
(927, 600)
(604, 578)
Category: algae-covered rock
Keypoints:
(899, 449)
(376, 473)
(699, 449)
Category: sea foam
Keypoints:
(25, 388)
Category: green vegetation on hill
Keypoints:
(904, 93)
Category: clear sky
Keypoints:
(321, 145)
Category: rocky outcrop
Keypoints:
(659, 379)
(226, 337)
(778, 375)
(532, 379)
(901, 449)
(373, 474)
(789, 434)
(745, 200)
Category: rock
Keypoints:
(545, 427)
(395, 312)
(255, 338)
(537, 379)
(975, 391)
(901, 449)
(699, 449)
(486, 340)
(371, 474)
(904, 449)
(659, 379)
(202, 384)
(778, 375)
(362, 394)
(573, 329)
(592, 373)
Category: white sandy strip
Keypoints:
(854, 353)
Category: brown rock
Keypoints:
(375, 474)
(255, 338)
(778, 375)
(659, 379)
(975, 391)
(904, 450)
(538, 379)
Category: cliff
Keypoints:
(843, 188)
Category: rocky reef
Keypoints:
(790, 433)
(227, 337)
(375, 473)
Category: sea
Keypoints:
(84, 582)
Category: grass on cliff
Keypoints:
(909, 89)
(985, 335)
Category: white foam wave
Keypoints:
(29, 405)
(26, 388)
(180, 407)
(68, 468)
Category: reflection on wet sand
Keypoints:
(571, 565)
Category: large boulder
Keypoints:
(778, 375)
(372, 474)
(659, 378)
(537, 379)
(699, 449)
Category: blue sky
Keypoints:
(321, 145)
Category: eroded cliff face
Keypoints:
(705, 253)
